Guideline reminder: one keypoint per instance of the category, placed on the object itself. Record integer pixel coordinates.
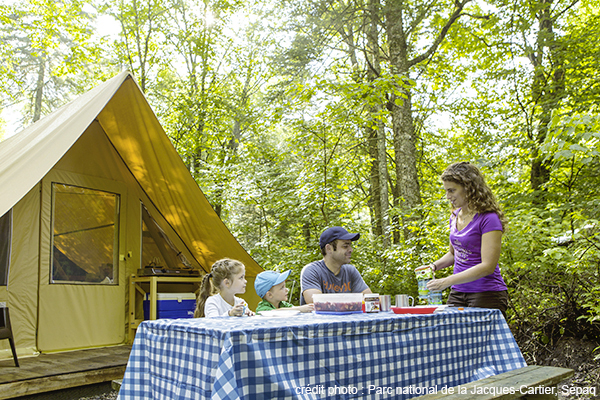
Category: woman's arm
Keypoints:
(446, 261)
(491, 243)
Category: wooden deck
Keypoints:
(57, 371)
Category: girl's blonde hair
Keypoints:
(221, 270)
(479, 195)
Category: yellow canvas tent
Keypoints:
(90, 194)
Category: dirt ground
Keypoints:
(577, 354)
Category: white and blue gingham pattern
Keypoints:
(356, 356)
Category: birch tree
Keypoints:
(49, 54)
(141, 44)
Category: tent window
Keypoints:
(85, 235)
(5, 244)
(157, 249)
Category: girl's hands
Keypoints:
(237, 310)
(241, 309)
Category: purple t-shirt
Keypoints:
(467, 252)
(316, 275)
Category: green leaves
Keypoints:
(48, 54)
(275, 107)
(573, 138)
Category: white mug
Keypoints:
(402, 300)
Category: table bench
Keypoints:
(533, 381)
(116, 384)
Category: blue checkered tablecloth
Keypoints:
(316, 356)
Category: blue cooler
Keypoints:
(171, 305)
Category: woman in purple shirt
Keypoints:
(476, 226)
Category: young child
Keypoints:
(270, 286)
(228, 277)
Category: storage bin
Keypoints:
(171, 305)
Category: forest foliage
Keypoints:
(296, 116)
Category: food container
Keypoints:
(338, 303)
(371, 303)
(435, 297)
(423, 277)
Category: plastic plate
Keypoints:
(279, 313)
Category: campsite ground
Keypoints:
(106, 396)
(577, 354)
(100, 391)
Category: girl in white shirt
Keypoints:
(228, 278)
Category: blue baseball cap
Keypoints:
(334, 233)
(267, 279)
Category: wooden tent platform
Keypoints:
(58, 371)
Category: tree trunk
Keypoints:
(408, 191)
(39, 90)
(374, 198)
(405, 156)
(379, 166)
(547, 91)
(383, 188)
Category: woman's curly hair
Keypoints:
(478, 193)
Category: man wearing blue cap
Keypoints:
(334, 273)
(270, 287)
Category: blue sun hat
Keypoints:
(267, 279)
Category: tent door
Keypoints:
(82, 265)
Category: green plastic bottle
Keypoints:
(424, 276)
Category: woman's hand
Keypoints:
(437, 284)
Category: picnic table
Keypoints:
(314, 356)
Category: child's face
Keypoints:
(238, 282)
(279, 292)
